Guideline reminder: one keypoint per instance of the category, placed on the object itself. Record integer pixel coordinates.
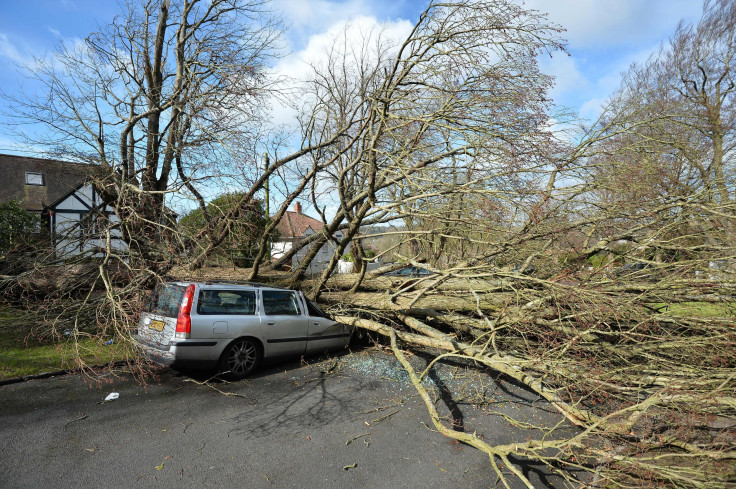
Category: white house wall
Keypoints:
(320, 261)
(69, 236)
(70, 239)
(279, 248)
(65, 228)
(75, 204)
(88, 195)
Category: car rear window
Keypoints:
(226, 302)
(276, 302)
(167, 300)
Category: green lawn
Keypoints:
(22, 354)
(700, 309)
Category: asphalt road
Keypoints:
(288, 426)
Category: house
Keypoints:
(63, 195)
(295, 226)
(36, 183)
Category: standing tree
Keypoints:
(461, 95)
(681, 104)
(164, 98)
(167, 101)
(456, 115)
(245, 227)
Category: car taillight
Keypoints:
(184, 320)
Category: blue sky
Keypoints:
(605, 36)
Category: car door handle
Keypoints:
(316, 324)
(271, 324)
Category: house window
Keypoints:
(34, 178)
(87, 225)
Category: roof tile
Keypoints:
(293, 225)
(60, 177)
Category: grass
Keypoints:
(23, 354)
(700, 309)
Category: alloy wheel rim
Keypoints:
(242, 357)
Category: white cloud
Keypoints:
(350, 34)
(601, 23)
(605, 38)
(11, 52)
(17, 146)
(344, 29)
(320, 14)
(25, 57)
(592, 109)
(305, 18)
(606, 85)
(568, 77)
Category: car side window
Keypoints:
(226, 302)
(277, 303)
(313, 310)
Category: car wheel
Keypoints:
(240, 358)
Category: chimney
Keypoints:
(298, 208)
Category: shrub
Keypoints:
(17, 226)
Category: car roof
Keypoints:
(229, 284)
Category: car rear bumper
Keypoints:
(163, 355)
(187, 353)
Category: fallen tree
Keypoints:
(599, 274)
(653, 394)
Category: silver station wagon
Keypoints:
(233, 326)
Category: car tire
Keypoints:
(240, 358)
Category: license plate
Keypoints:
(156, 325)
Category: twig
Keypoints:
(385, 417)
(355, 438)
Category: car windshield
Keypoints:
(166, 300)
